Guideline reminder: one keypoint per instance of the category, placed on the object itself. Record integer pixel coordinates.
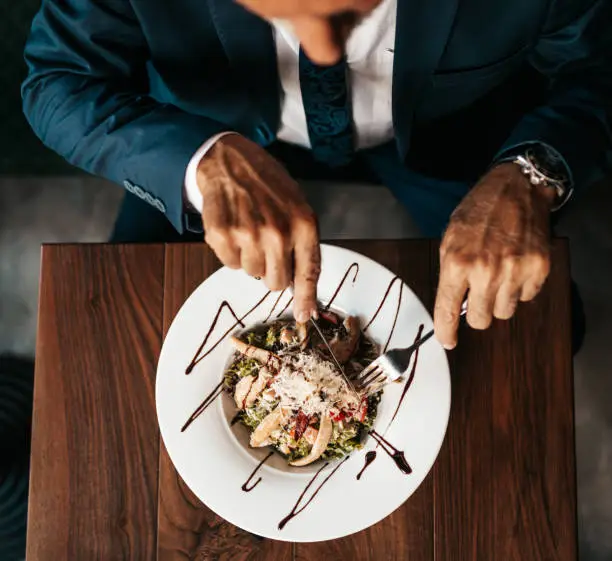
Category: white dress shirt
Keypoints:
(369, 55)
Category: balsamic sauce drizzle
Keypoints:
(297, 508)
(245, 487)
(397, 455)
(382, 303)
(348, 271)
(410, 376)
(204, 405)
(371, 455)
(275, 304)
(198, 357)
(285, 308)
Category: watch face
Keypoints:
(547, 162)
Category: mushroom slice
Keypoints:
(271, 422)
(323, 438)
(251, 351)
(345, 347)
(257, 387)
(242, 390)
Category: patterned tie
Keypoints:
(327, 104)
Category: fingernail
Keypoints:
(301, 317)
(315, 313)
(449, 346)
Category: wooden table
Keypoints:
(103, 487)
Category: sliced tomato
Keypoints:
(339, 417)
(330, 316)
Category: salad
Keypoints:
(291, 395)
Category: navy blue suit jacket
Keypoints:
(129, 89)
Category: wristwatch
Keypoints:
(545, 167)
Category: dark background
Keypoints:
(21, 153)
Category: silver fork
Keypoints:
(391, 365)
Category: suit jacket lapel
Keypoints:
(422, 31)
(249, 44)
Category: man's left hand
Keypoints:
(496, 248)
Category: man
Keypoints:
(425, 96)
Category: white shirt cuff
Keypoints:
(192, 191)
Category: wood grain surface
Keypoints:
(505, 482)
(103, 487)
(93, 483)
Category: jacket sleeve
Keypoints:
(575, 52)
(86, 97)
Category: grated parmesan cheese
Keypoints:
(309, 383)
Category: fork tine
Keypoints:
(370, 377)
(366, 371)
(377, 376)
(371, 388)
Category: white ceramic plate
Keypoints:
(213, 458)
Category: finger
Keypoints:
(278, 260)
(307, 257)
(530, 289)
(450, 295)
(224, 247)
(318, 39)
(509, 290)
(506, 300)
(252, 259)
(481, 299)
(537, 269)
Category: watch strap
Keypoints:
(519, 155)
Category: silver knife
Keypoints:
(346, 378)
(318, 330)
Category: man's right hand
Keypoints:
(257, 218)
